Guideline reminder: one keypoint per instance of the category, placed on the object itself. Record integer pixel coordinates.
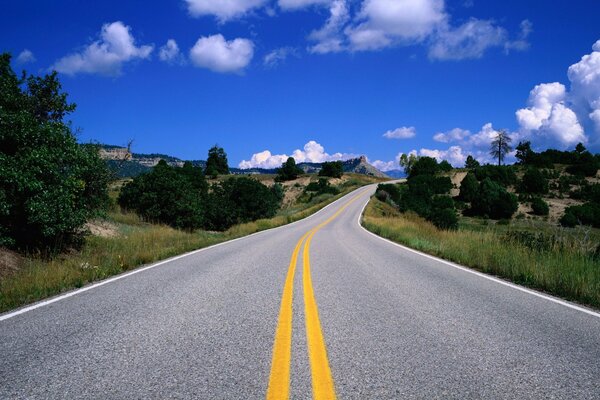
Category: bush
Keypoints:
(533, 182)
(169, 195)
(50, 186)
(445, 166)
(469, 188)
(424, 166)
(585, 214)
(322, 186)
(586, 165)
(503, 175)
(288, 171)
(216, 163)
(333, 169)
(392, 191)
(444, 218)
(493, 201)
(539, 206)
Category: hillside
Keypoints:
(126, 164)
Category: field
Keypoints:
(122, 242)
(561, 261)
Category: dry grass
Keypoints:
(133, 243)
(571, 272)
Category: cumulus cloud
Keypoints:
(219, 55)
(401, 133)
(25, 57)
(224, 10)
(455, 134)
(170, 52)
(454, 155)
(311, 152)
(585, 88)
(278, 56)
(106, 55)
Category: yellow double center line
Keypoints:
(322, 381)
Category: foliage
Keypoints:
(169, 195)
(445, 166)
(334, 169)
(493, 201)
(585, 165)
(585, 214)
(288, 171)
(216, 163)
(322, 186)
(469, 188)
(424, 166)
(389, 192)
(49, 184)
(539, 206)
(533, 182)
(471, 163)
(503, 175)
(500, 146)
(240, 200)
(407, 161)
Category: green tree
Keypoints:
(50, 185)
(469, 188)
(334, 169)
(445, 166)
(216, 163)
(500, 146)
(424, 166)
(288, 171)
(533, 182)
(471, 163)
(493, 201)
(524, 153)
(407, 161)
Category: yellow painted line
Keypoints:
(279, 379)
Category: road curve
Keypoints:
(393, 323)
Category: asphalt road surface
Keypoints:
(360, 318)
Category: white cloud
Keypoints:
(401, 133)
(224, 10)
(454, 155)
(329, 38)
(312, 152)
(298, 4)
(106, 55)
(278, 56)
(455, 134)
(547, 120)
(381, 22)
(585, 88)
(521, 43)
(219, 55)
(469, 40)
(170, 52)
(25, 57)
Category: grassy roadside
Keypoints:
(567, 270)
(135, 243)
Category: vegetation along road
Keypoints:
(320, 307)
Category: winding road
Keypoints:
(320, 308)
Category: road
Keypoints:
(231, 322)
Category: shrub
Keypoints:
(288, 171)
(49, 184)
(585, 214)
(471, 163)
(424, 166)
(170, 195)
(444, 218)
(503, 175)
(586, 165)
(216, 163)
(539, 206)
(322, 186)
(334, 169)
(392, 191)
(469, 188)
(533, 182)
(445, 166)
(493, 201)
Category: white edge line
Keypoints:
(44, 303)
(480, 274)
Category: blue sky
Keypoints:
(318, 79)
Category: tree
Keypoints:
(334, 169)
(424, 166)
(407, 161)
(216, 163)
(493, 201)
(288, 171)
(500, 146)
(50, 185)
(445, 166)
(469, 188)
(580, 148)
(524, 153)
(471, 163)
(533, 182)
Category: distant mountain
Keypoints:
(126, 164)
(396, 173)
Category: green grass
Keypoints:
(569, 270)
(137, 243)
